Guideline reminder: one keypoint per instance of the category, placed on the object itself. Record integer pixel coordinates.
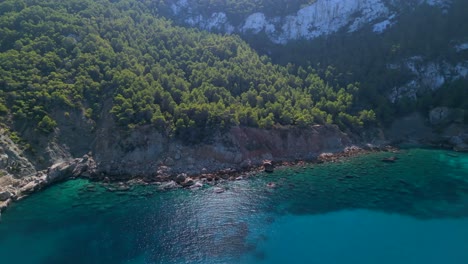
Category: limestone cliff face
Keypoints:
(318, 18)
(426, 75)
(146, 152)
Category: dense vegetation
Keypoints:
(120, 57)
(428, 32)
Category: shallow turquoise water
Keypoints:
(357, 211)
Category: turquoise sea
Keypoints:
(360, 210)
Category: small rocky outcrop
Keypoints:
(75, 168)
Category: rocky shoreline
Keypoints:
(86, 167)
(145, 156)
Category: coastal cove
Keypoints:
(360, 209)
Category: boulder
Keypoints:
(60, 171)
(268, 166)
(196, 186)
(188, 182)
(168, 186)
(5, 195)
(181, 178)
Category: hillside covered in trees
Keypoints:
(407, 55)
(120, 57)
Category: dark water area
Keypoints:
(360, 210)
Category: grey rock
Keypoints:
(60, 171)
(5, 195)
(197, 185)
(181, 178)
(188, 182)
(168, 186)
(29, 188)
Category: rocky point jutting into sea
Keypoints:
(149, 156)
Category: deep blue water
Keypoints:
(361, 210)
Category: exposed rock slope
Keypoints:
(322, 17)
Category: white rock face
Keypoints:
(179, 6)
(217, 21)
(255, 23)
(461, 47)
(427, 76)
(461, 70)
(323, 17)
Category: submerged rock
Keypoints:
(390, 159)
(218, 190)
(123, 188)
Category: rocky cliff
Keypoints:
(146, 153)
(311, 20)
